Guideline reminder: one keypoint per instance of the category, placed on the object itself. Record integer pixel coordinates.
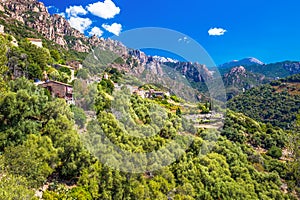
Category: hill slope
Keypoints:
(277, 103)
(239, 80)
(277, 70)
(41, 150)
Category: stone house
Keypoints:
(152, 93)
(75, 64)
(59, 90)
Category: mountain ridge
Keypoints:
(35, 15)
(243, 62)
(239, 79)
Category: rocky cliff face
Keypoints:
(292, 67)
(34, 14)
(193, 71)
(241, 78)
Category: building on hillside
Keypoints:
(148, 94)
(75, 64)
(140, 92)
(156, 94)
(59, 90)
(58, 66)
(35, 41)
(2, 29)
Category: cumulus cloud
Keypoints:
(74, 11)
(81, 24)
(216, 31)
(96, 31)
(105, 10)
(114, 28)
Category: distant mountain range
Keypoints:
(272, 70)
(247, 73)
(24, 19)
(244, 62)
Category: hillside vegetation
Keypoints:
(277, 103)
(52, 150)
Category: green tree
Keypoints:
(275, 152)
(178, 112)
(34, 159)
(15, 187)
(83, 74)
(55, 55)
(34, 71)
(79, 116)
(294, 166)
(40, 56)
(3, 62)
(65, 70)
(106, 86)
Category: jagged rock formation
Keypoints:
(239, 79)
(292, 67)
(34, 14)
(193, 71)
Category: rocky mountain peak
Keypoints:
(164, 59)
(34, 14)
(244, 62)
(254, 60)
(238, 71)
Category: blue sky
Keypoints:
(267, 30)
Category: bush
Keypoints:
(83, 74)
(79, 115)
(275, 152)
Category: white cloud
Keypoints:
(96, 31)
(74, 11)
(105, 10)
(184, 39)
(81, 24)
(216, 31)
(114, 28)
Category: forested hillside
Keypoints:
(277, 103)
(38, 142)
(41, 147)
(52, 150)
